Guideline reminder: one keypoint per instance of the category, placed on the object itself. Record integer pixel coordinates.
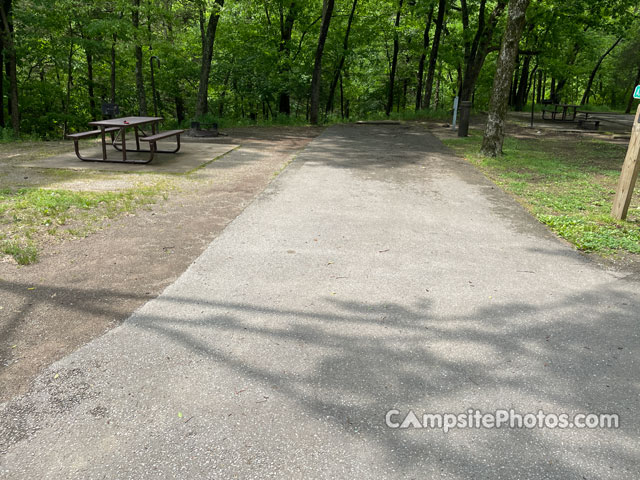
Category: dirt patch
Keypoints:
(82, 288)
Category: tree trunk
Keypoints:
(587, 91)
(433, 57)
(286, 31)
(423, 58)
(202, 106)
(11, 59)
(142, 98)
(113, 69)
(531, 85)
(2, 121)
(539, 94)
(67, 104)
(438, 80)
(394, 61)
(630, 103)
(223, 94)
(514, 82)
(179, 108)
(494, 132)
(479, 48)
(338, 71)
(327, 12)
(341, 98)
(90, 85)
(523, 86)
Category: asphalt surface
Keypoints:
(377, 272)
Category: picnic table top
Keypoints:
(125, 121)
(564, 105)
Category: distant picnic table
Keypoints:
(565, 112)
(118, 140)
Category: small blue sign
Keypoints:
(636, 93)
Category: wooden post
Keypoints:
(629, 173)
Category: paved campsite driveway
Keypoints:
(377, 272)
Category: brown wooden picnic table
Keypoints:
(563, 109)
(118, 140)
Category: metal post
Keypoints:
(533, 100)
(465, 114)
(455, 112)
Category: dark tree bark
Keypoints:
(531, 85)
(327, 13)
(286, 31)
(338, 70)
(90, 85)
(494, 132)
(2, 121)
(223, 94)
(514, 82)
(630, 102)
(587, 91)
(142, 98)
(394, 60)
(6, 16)
(112, 76)
(523, 85)
(539, 94)
(208, 39)
(179, 108)
(476, 51)
(67, 104)
(423, 58)
(433, 57)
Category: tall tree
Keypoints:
(343, 54)
(523, 84)
(2, 122)
(587, 90)
(433, 58)
(327, 12)
(208, 37)
(6, 16)
(476, 50)
(394, 60)
(494, 131)
(423, 57)
(142, 98)
(286, 31)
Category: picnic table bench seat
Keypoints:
(92, 133)
(76, 137)
(161, 135)
(587, 123)
(152, 139)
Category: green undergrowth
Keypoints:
(568, 184)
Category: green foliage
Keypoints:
(57, 39)
(568, 185)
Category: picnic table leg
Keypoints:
(137, 138)
(104, 143)
(124, 144)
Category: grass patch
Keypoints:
(567, 184)
(30, 215)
